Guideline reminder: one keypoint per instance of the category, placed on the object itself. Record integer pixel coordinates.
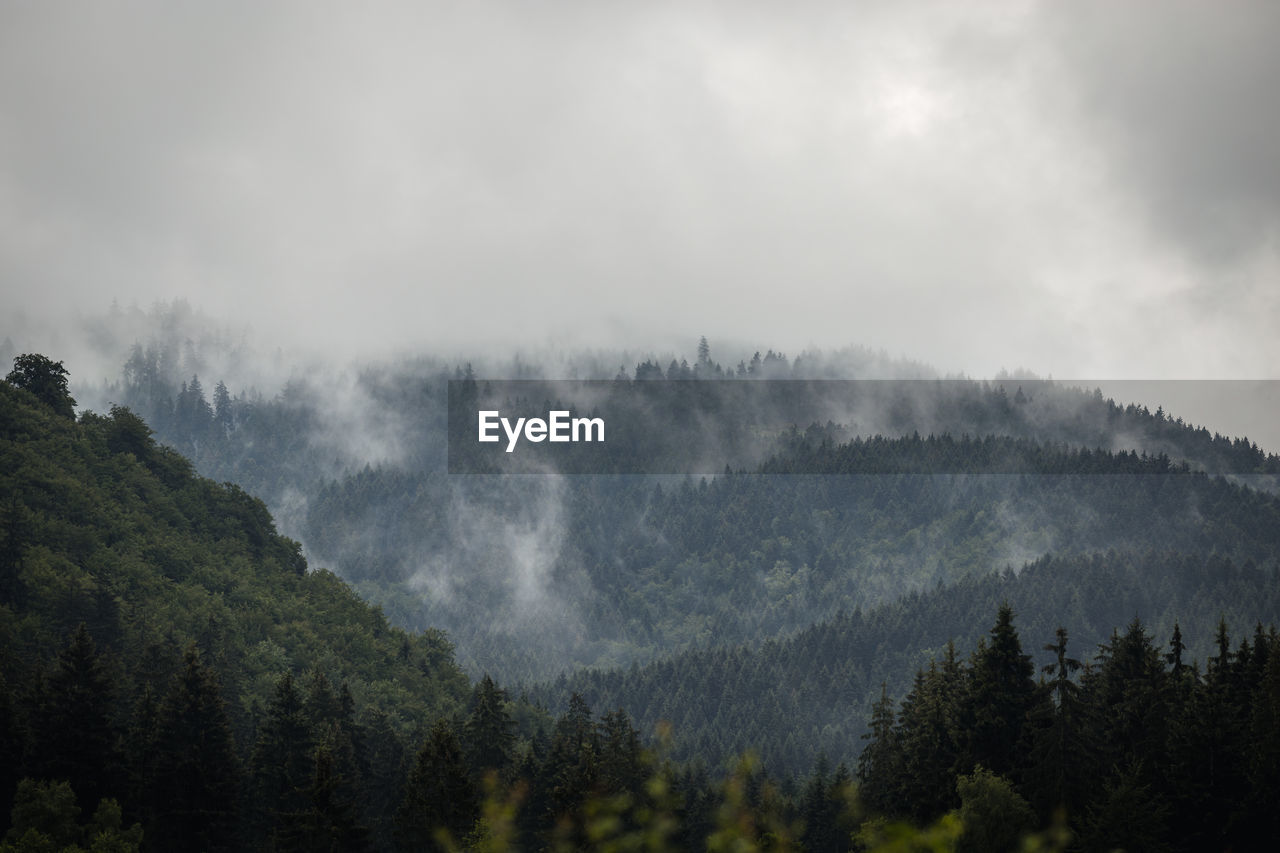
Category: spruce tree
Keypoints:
(1002, 694)
(77, 740)
(281, 763)
(196, 782)
(439, 796)
(489, 731)
(1058, 749)
(880, 764)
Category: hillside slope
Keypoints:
(153, 625)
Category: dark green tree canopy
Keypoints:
(46, 379)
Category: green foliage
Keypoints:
(195, 778)
(489, 730)
(45, 818)
(111, 540)
(44, 378)
(1001, 695)
(76, 739)
(785, 593)
(815, 690)
(149, 556)
(440, 803)
(994, 815)
(128, 433)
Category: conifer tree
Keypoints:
(77, 740)
(1058, 752)
(622, 765)
(1002, 693)
(439, 795)
(879, 766)
(330, 822)
(927, 741)
(10, 748)
(818, 811)
(196, 782)
(281, 762)
(489, 731)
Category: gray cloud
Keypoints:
(1061, 186)
(1183, 98)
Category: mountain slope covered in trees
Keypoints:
(625, 568)
(182, 617)
(172, 668)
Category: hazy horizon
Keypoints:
(1083, 190)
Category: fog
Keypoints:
(1073, 188)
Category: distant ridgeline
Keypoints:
(700, 428)
(533, 575)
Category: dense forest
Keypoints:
(689, 661)
(532, 576)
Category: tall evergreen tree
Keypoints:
(622, 763)
(880, 764)
(1002, 694)
(388, 765)
(489, 731)
(330, 823)
(819, 811)
(439, 795)
(196, 782)
(1058, 751)
(77, 740)
(1127, 690)
(927, 739)
(281, 762)
(10, 751)
(222, 414)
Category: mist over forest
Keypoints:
(924, 356)
(861, 521)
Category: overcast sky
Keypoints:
(1086, 189)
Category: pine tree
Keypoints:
(439, 795)
(196, 782)
(388, 766)
(140, 747)
(880, 765)
(489, 731)
(622, 764)
(10, 748)
(1261, 818)
(927, 732)
(818, 811)
(77, 741)
(572, 769)
(1127, 691)
(330, 822)
(1002, 694)
(282, 757)
(222, 414)
(1058, 751)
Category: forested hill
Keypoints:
(623, 568)
(811, 694)
(180, 614)
(532, 576)
(104, 526)
(162, 646)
